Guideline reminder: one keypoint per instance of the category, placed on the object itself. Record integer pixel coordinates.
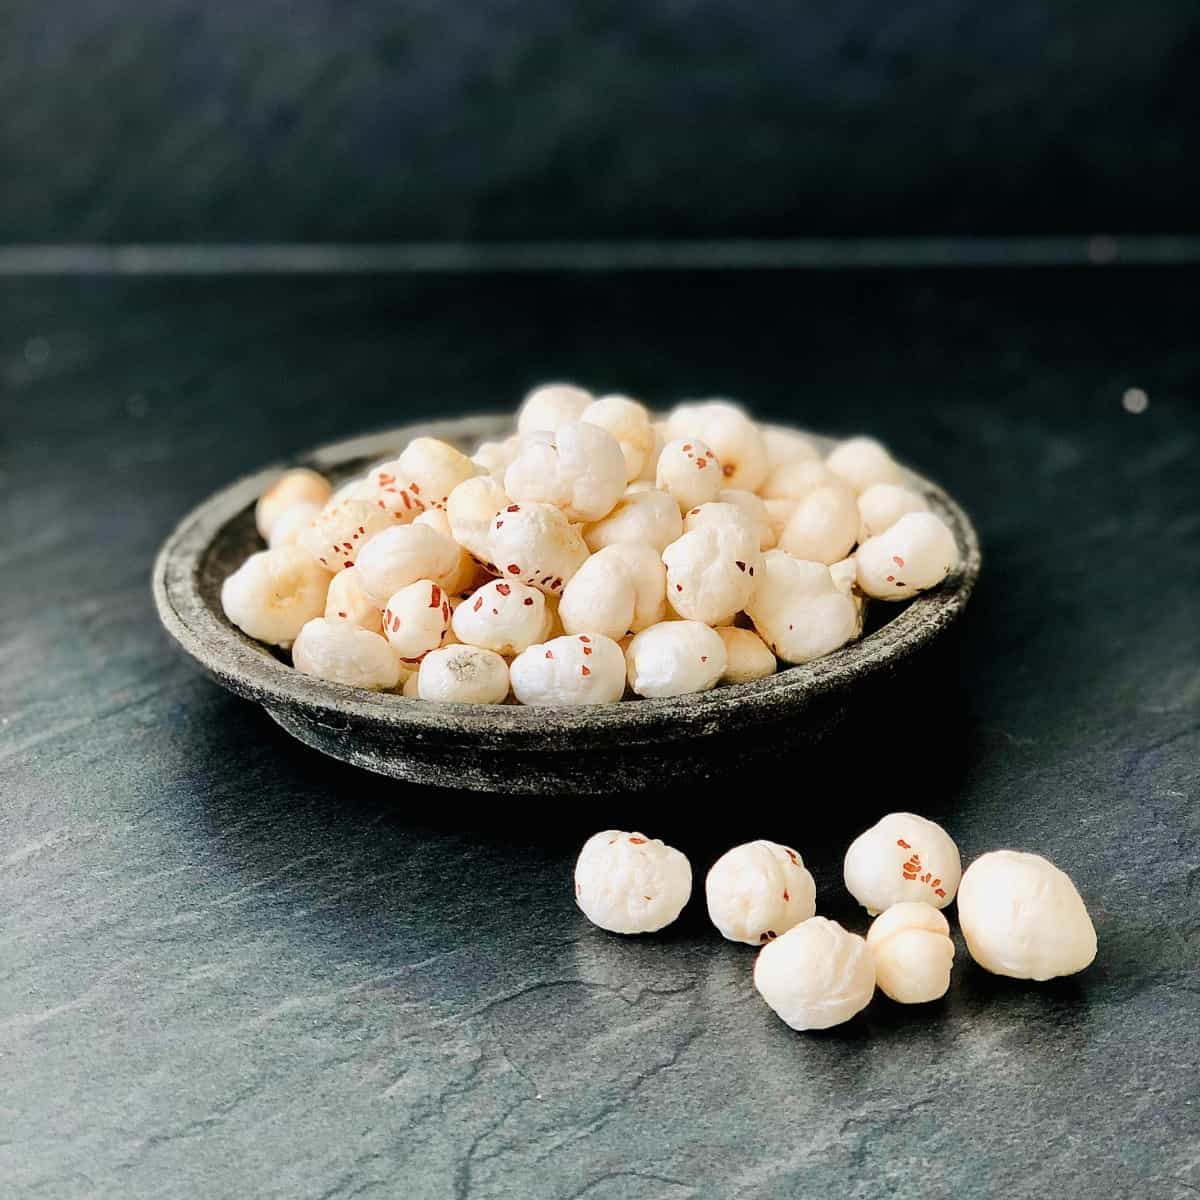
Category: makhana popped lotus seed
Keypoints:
(759, 890)
(629, 883)
(902, 857)
(913, 953)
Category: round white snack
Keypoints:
(689, 472)
(274, 593)
(863, 462)
(501, 616)
(629, 883)
(711, 572)
(779, 513)
(674, 658)
(754, 511)
(717, 512)
(292, 487)
(733, 437)
(551, 405)
(358, 488)
(470, 510)
(823, 527)
(494, 457)
(915, 554)
(424, 475)
(536, 544)
(882, 505)
(902, 857)
(758, 891)
(292, 522)
(415, 620)
(816, 975)
(913, 953)
(464, 675)
(794, 480)
(785, 445)
(346, 601)
(462, 576)
(401, 555)
(578, 468)
(650, 466)
(580, 669)
(599, 598)
(649, 576)
(747, 656)
(647, 516)
(844, 573)
(799, 611)
(629, 423)
(343, 653)
(341, 530)
(1023, 917)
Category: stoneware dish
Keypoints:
(611, 748)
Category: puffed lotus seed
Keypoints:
(461, 577)
(343, 653)
(689, 472)
(585, 668)
(424, 475)
(650, 516)
(346, 601)
(754, 510)
(401, 555)
(299, 485)
(758, 891)
(648, 575)
(882, 505)
(629, 883)
(747, 656)
(629, 423)
(464, 675)
(292, 522)
(501, 616)
(599, 598)
(799, 611)
(495, 457)
(274, 593)
(902, 857)
(470, 510)
(1023, 917)
(730, 434)
(536, 544)
(551, 405)
(816, 975)
(674, 658)
(712, 572)
(784, 446)
(913, 953)
(823, 527)
(416, 619)
(862, 462)
(338, 534)
(796, 479)
(915, 554)
(579, 469)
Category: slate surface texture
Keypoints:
(231, 968)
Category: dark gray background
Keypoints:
(323, 119)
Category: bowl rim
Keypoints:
(248, 668)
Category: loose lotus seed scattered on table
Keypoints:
(758, 891)
(629, 883)
(910, 943)
(902, 857)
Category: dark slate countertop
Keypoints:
(229, 967)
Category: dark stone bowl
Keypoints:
(633, 745)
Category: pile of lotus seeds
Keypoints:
(1019, 914)
(595, 553)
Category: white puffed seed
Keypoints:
(343, 653)
(649, 469)
(629, 423)
(551, 405)
(717, 512)
(913, 952)
(882, 505)
(462, 576)
(292, 522)
(650, 516)
(464, 675)
(785, 445)
(599, 598)
(579, 468)
(1023, 917)
(796, 479)
(711, 572)
(747, 656)
(689, 472)
(674, 658)
(733, 437)
(863, 462)
(779, 513)
(346, 601)
(816, 975)
(629, 883)
(536, 544)
(902, 857)
(759, 890)
(401, 555)
(915, 554)
(798, 610)
(296, 486)
(649, 577)
(577, 669)
(504, 617)
(754, 509)
(824, 526)
(495, 457)
(470, 510)
(416, 619)
(274, 593)
(424, 475)
(339, 533)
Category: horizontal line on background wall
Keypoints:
(257, 258)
